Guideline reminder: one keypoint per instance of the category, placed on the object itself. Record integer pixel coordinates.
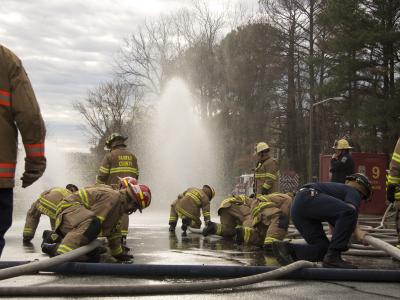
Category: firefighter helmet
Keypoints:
(125, 181)
(341, 144)
(114, 137)
(141, 194)
(210, 189)
(262, 146)
(361, 183)
(72, 187)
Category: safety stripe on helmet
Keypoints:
(34, 150)
(7, 170)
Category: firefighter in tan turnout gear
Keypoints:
(266, 173)
(46, 204)
(118, 163)
(19, 111)
(232, 212)
(96, 211)
(188, 205)
(268, 221)
(393, 185)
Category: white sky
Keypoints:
(67, 48)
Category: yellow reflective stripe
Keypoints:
(393, 179)
(226, 201)
(219, 229)
(266, 186)
(50, 213)
(397, 196)
(114, 237)
(104, 170)
(247, 234)
(260, 207)
(98, 180)
(64, 249)
(28, 230)
(124, 233)
(270, 240)
(195, 198)
(62, 191)
(272, 176)
(396, 157)
(62, 205)
(116, 251)
(206, 214)
(84, 198)
(183, 212)
(173, 218)
(124, 170)
(48, 204)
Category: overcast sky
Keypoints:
(67, 48)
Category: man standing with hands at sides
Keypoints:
(19, 111)
(342, 163)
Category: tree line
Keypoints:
(256, 76)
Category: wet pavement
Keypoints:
(153, 244)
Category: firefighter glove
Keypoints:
(34, 169)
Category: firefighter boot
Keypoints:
(283, 253)
(333, 259)
(185, 223)
(211, 228)
(125, 248)
(172, 226)
(50, 249)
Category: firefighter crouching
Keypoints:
(266, 173)
(188, 205)
(46, 204)
(232, 212)
(335, 203)
(96, 211)
(119, 162)
(268, 221)
(393, 185)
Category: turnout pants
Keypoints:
(6, 211)
(230, 217)
(178, 211)
(308, 213)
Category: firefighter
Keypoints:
(188, 205)
(19, 111)
(96, 211)
(393, 185)
(118, 163)
(335, 203)
(342, 163)
(46, 204)
(268, 221)
(266, 173)
(232, 212)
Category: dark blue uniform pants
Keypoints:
(6, 210)
(308, 213)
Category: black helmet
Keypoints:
(114, 137)
(361, 183)
(72, 187)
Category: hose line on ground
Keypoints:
(382, 245)
(141, 289)
(36, 266)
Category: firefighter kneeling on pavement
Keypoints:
(232, 212)
(268, 221)
(188, 205)
(46, 204)
(96, 211)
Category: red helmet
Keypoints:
(141, 194)
(125, 181)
